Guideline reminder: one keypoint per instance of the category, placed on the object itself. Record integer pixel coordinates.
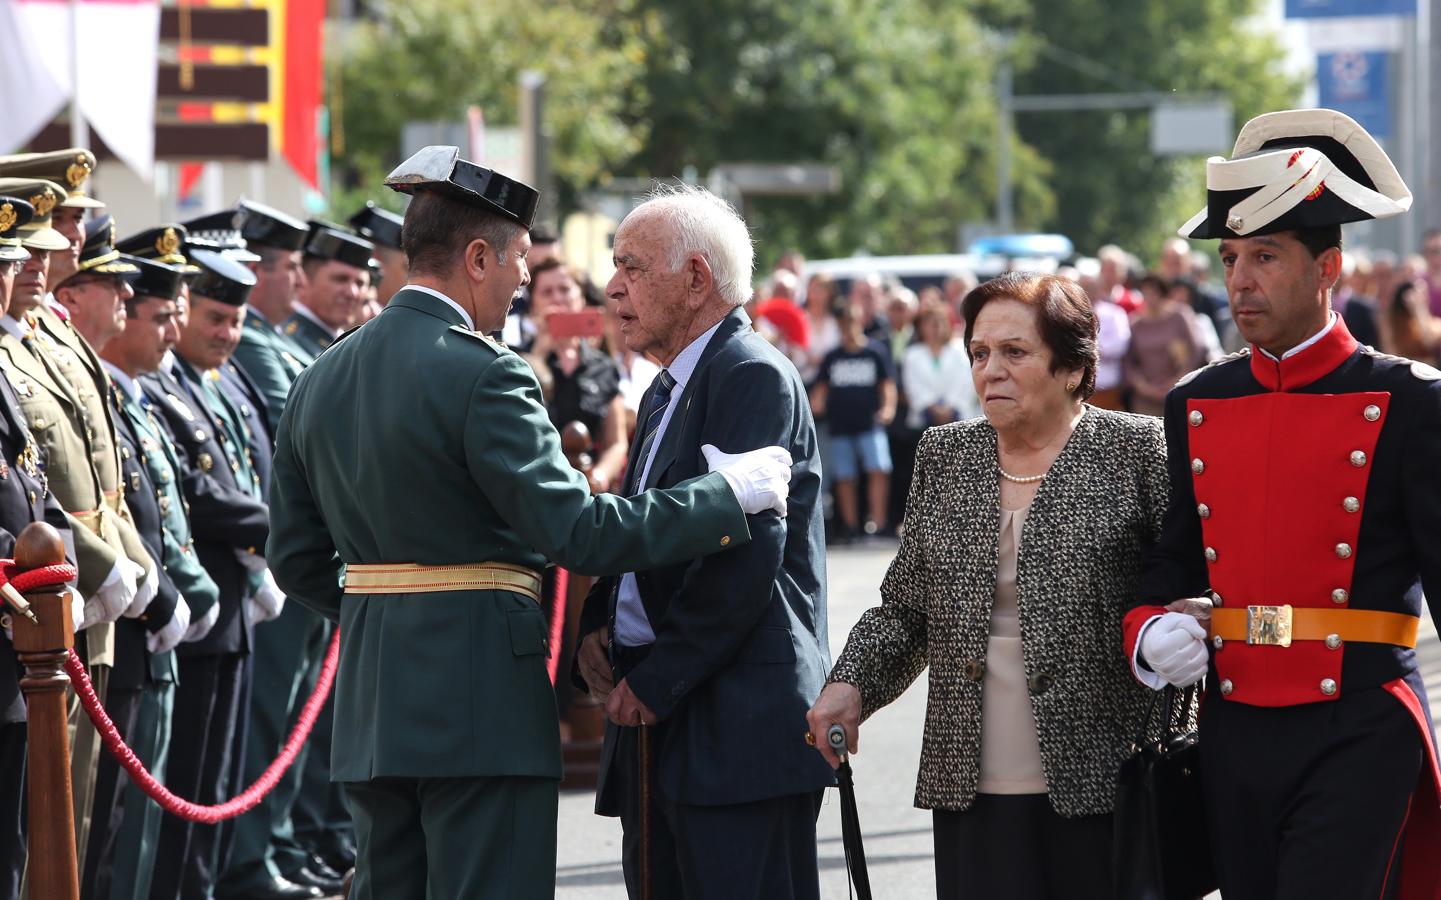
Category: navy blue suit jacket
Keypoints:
(741, 651)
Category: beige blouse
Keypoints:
(1010, 749)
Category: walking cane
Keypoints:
(643, 737)
(850, 816)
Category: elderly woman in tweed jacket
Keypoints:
(1023, 542)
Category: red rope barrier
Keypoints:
(185, 809)
(557, 620)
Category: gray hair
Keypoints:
(702, 223)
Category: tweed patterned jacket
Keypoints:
(1096, 514)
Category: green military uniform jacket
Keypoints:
(416, 440)
(162, 464)
(272, 360)
(306, 334)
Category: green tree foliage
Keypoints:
(1108, 185)
(897, 94)
(432, 59)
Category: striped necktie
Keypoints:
(658, 404)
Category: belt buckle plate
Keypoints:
(1269, 625)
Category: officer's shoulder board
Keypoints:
(1191, 376)
(482, 339)
(1418, 369)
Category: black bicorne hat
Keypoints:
(1298, 169)
(156, 279)
(379, 226)
(441, 168)
(261, 224)
(221, 277)
(219, 231)
(330, 241)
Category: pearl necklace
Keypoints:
(1018, 479)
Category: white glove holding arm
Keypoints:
(200, 627)
(759, 478)
(268, 601)
(171, 633)
(77, 612)
(115, 593)
(1174, 646)
(145, 591)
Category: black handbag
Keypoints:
(1161, 851)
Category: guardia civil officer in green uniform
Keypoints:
(418, 489)
(266, 861)
(151, 471)
(288, 650)
(337, 270)
(271, 358)
(382, 228)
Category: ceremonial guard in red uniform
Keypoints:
(1306, 506)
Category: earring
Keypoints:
(1071, 386)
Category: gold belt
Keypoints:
(91, 519)
(1280, 625)
(413, 578)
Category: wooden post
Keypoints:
(43, 648)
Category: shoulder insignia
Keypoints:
(291, 327)
(1418, 369)
(1191, 376)
(480, 337)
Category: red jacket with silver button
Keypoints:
(1312, 482)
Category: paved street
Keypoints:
(898, 836)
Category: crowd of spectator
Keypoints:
(883, 362)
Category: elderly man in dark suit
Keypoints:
(711, 664)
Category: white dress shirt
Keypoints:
(465, 316)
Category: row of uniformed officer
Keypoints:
(151, 449)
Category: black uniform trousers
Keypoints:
(107, 813)
(1308, 801)
(769, 845)
(13, 824)
(206, 740)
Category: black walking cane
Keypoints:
(850, 816)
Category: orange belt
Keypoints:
(413, 578)
(1280, 625)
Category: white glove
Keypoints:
(1174, 646)
(170, 634)
(144, 593)
(77, 612)
(758, 478)
(115, 593)
(200, 627)
(251, 561)
(267, 602)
